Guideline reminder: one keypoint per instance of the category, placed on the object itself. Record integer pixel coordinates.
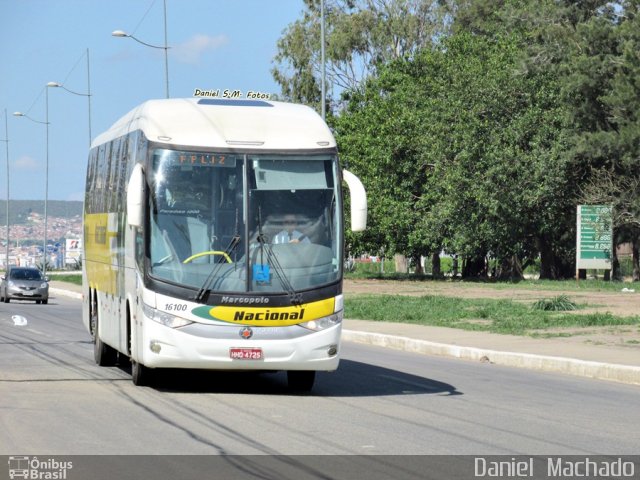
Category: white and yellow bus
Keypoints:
(187, 258)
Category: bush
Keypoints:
(561, 303)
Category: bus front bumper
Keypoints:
(165, 347)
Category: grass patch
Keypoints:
(561, 303)
(498, 316)
(75, 278)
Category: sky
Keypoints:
(214, 44)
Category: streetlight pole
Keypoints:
(166, 50)
(46, 185)
(322, 61)
(46, 181)
(6, 140)
(89, 95)
(122, 34)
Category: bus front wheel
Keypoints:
(140, 375)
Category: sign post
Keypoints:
(594, 237)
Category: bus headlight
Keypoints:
(164, 318)
(324, 322)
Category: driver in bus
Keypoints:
(290, 234)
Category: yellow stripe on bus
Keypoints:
(273, 316)
(101, 265)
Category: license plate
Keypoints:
(245, 353)
(28, 294)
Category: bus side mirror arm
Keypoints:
(358, 201)
(135, 197)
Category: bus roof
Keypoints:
(225, 123)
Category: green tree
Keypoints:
(458, 150)
(481, 141)
(377, 137)
(361, 35)
(605, 75)
(572, 44)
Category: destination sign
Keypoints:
(175, 158)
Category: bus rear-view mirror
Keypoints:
(358, 197)
(135, 197)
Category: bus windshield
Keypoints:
(244, 223)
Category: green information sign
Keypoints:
(594, 235)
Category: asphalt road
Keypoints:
(54, 399)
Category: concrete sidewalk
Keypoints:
(619, 363)
(606, 362)
(64, 288)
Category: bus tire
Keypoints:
(103, 354)
(140, 375)
(301, 380)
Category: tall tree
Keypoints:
(572, 43)
(481, 141)
(459, 150)
(360, 36)
(605, 75)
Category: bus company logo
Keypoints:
(246, 333)
(277, 314)
(245, 300)
(259, 316)
(33, 468)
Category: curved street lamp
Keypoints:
(123, 34)
(20, 114)
(88, 94)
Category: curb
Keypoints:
(65, 293)
(598, 370)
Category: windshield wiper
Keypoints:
(272, 259)
(203, 293)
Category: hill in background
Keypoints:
(19, 210)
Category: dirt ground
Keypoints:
(619, 303)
